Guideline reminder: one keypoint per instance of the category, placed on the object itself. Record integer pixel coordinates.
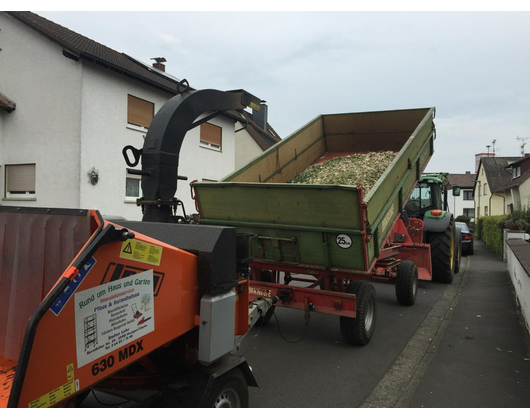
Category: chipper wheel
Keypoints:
(229, 391)
(443, 253)
(407, 283)
(358, 331)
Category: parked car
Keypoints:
(467, 238)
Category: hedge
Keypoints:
(490, 230)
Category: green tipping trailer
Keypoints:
(315, 228)
(335, 234)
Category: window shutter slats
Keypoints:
(211, 134)
(20, 178)
(139, 112)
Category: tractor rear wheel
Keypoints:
(443, 247)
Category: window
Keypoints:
(468, 194)
(485, 210)
(133, 187)
(139, 112)
(485, 186)
(20, 181)
(211, 136)
(516, 172)
(470, 213)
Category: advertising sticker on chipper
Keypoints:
(113, 314)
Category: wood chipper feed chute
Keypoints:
(35, 249)
(83, 328)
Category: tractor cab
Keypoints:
(429, 197)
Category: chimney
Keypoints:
(260, 117)
(158, 65)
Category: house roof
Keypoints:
(77, 45)
(496, 172)
(516, 182)
(461, 180)
(264, 139)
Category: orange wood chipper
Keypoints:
(155, 305)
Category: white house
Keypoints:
(68, 106)
(462, 205)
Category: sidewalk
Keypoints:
(483, 358)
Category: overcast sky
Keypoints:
(473, 67)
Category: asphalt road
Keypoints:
(299, 366)
(312, 366)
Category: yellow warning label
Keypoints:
(53, 397)
(70, 372)
(141, 251)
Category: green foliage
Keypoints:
(519, 220)
(463, 219)
(492, 232)
(479, 227)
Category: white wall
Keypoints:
(105, 132)
(246, 147)
(45, 127)
(72, 116)
(521, 284)
(458, 204)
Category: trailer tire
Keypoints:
(228, 391)
(407, 283)
(359, 330)
(442, 253)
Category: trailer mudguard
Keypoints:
(116, 301)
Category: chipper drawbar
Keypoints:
(149, 306)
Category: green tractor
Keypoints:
(428, 202)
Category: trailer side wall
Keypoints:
(304, 224)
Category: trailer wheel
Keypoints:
(443, 253)
(358, 331)
(229, 391)
(407, 283)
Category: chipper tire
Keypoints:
(358, 331)
(407, 283)
(442, 254)
(229, 391)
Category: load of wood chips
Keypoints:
(363, 169)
